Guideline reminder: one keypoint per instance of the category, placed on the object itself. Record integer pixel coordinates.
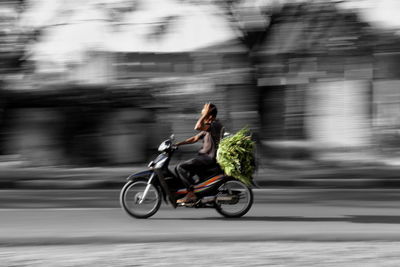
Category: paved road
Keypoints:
(295, 215)
(206, 254)
(286, 227)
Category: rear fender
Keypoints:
(251, 185)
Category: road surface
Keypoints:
(297, 227)
(278, 214)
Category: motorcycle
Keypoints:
(143, 193)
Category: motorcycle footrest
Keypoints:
(188, 204)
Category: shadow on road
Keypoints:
(349, 218)
(375, 219)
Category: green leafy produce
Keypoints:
(235, 156)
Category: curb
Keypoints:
(104, 240)
(113, 178)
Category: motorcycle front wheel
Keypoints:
(240, 199)
(131, 199)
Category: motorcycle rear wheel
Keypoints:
(130, 197)
(241, 206)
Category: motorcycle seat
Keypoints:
(208, 173)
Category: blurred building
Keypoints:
(106, 81)
(325, 78)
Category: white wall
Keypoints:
(338, 113)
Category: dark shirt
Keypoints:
(211, 139)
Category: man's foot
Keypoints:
(189, 198)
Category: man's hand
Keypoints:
(206, 110)
(204, 119)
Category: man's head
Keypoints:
(211, 110)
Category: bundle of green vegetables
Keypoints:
(236, 157)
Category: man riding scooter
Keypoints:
(210, 132)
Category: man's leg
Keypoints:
(204, 163)
(185, 171)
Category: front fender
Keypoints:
(146, 175)
(142, 174)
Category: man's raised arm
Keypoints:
(202, 124)
(190, 140)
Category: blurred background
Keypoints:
(102, 83)
(89, 89)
